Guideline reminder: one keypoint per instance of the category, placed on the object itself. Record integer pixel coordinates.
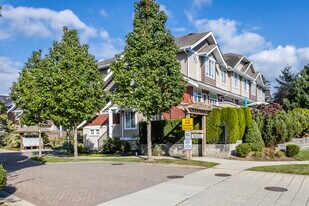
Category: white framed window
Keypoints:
(210, 67)
(253, 89)
(94, 132)
(235, 80)
(213, 99)
(130, 120)
(246, 85)
(223, 76)
(197, 96)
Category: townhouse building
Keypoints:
(213, 78)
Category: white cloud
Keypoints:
(108, 46)
(104, 13)
(201, 2)
(42, 22)
(179, 29)
(8, 73)
(167, 12)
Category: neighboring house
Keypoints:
(212, 79)
(14, 114)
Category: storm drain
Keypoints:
(174, 176)
(223, 175)
(276, 189)
(117, 164)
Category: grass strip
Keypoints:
(299, 169)
(51, 159)
(302, 155)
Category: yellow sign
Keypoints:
(187, 124)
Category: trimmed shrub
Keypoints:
(157, 150)
(162, 132)
(248, 116)
(241, 122)
(279, 154)
(258, 154)
(229, 117)
(243, 150)
(115, 146)
(11, 140)
(213, 129)
(254, 138)
(3, 177)
(292, 150)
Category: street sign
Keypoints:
(187, 144)
(187, 135)
(187, 124)
(197, 136)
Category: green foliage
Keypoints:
(3, 177)
(157, 150)
(114, 145)
(229, 117)
(248, 116)
(243, 149)
(213, 129)
(254, 138)
(147, 72)
(241, 122)
(306, 111)
(11, 140)
(45, 138)
(162, 132)
(280, 154)
(292, 150)
(258, 154)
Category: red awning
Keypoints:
(98, 120)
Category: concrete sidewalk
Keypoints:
(241, 188)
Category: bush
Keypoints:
(258, 154)
(157, 150)
(45, 138)
(243, 150)
(292, 150)
(279, 154)
(11, 140)
(3, 177)
(162, 132)
(115, 146)
(241, 122)
(248, 116)
(229, 117)
(253, 137)
(81, 148)
(213, 129)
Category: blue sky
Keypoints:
(272, 34)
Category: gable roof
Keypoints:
(189, 39)
(105, 63)
(232, 59)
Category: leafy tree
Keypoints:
(3, 115)
(147, 72)
(300, 89)
(76, 85)
(0, 11)
(285, 84)
(30, 94)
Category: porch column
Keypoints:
(110, 123)
(204, 136)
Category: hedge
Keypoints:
(229, 117)
(292, 150)
(254, 138)
(162, 132)
(3, 177)
(213, 129)
(241, 122)
(248, 116)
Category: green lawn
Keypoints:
(302, 155)
(52, 159)
(299, 169)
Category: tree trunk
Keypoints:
(149, 145)
(75, 144)
(40, 142)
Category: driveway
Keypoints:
(82, 183)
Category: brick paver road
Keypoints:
(82, 183)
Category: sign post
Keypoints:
(187, 126)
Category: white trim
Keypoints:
(12, 108)
(221, 70)
(92, 127)
(108, 76)
(107, 106)
(135, 119)
(242, 57)
(202, 39)
(248, 67)
(81, 124)
(238, 80)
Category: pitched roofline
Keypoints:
(202, 39)
(248, 67)
(219, 51)
(242, 57)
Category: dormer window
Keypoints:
(210, 68)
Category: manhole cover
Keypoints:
(223, 175)
(276, 189)
(117, 164)
(174, 176)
